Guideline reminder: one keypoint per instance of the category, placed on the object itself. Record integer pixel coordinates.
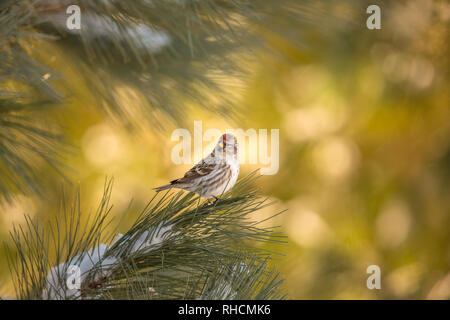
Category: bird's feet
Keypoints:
(212, 202)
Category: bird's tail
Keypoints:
(167, 186)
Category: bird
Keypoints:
(213, 175)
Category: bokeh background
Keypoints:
(364, 120)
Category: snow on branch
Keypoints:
(92, 268)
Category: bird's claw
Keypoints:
(212, 202)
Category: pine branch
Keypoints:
(169, 55)
(172, 53)
(180, 247)
(26, 144)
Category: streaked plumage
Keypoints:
(214, 175)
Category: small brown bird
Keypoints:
(214, 175)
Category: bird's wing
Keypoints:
(199, 170)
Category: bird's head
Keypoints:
(227, 146)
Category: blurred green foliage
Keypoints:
(364, 144)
